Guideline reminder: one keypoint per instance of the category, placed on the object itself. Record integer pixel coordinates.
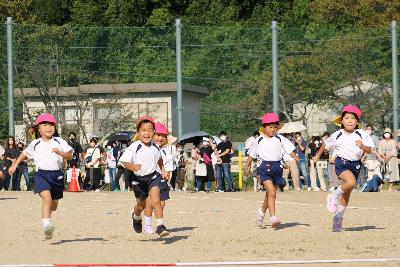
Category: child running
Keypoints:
(349, 143)
(269, 147)
(143, 157)
(160, 138)
(48, 152)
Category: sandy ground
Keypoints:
(96, 228)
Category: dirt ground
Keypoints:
(96, 228)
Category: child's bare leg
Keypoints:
(349, 181)
(54, 205)
(46, 204)
(271, 193)
(163, 204)
(155, 202)
(139, 207)
(148, 211)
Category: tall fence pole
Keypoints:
(275, 74)
(11, 123)
(395, 79)
(179, 76)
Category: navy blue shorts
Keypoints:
(342, 165)
(164, 190)
(141, 185)
(52, 181)
(271, 171)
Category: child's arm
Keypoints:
(131, 166)
(15, 164)
(164, 173)
(65, 155)
(319, 153)
(293, 155)
(247, 166)
(366, 149)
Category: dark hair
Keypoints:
(93, 139)
(255, 133)
(391, 135)
(20, 143)
(222, 133)
(299, 133)
(369, 125)
(316, 137)
(326, 134)
(8, 144)
(355, 115)
(73, 133)
(140, 124)
(37, 134)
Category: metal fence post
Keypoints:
(11, 130)
(179, 76)
(275, 68)
(395, 79)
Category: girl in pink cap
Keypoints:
(349, 144)
(160, 138)
(48, 152)
(269, 148)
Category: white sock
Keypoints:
(255, 184)
(147, 220)
(260, 211)
(46, 221)
(160, 222)
(338, 192)
(340, 211)
(138, 218)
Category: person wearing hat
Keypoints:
(143, 157)
(388, 152)
(48, 152)
(270, 147)
(350, 143)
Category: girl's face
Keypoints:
(10, 141)
(92, 144)
(160, 139)
(271, 129)
(146, 132)
(46, 130)
(349, 122)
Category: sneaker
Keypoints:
(309, 189)
(219, 191)
(331, 203)
(337, 224)
(260, 217)
(332, 189)
(207, 190)
(317, 189)
(148, 229)
(137, 225)
(97, 190)
(48, 230)
(162, 231)
(275, 221)
(116, 190)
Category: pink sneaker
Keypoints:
(337, 224)
(148, 229)
(331, 203)
(260, 217)
(275, 221)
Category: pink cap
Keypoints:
(45, 117)
(269, 118)
(161, 128)
(352, 109)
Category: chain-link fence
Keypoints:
(319, 69)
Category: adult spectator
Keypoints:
(204, 158)
(77, 154)
(388, 152)
(11, 153)
(291, 170)
(249, 142)
(301, 146)
(181, 161)
(317, 169)
(23, 169)
(92, 159)
(224, 162)
(333, 179)
(370, 161)
(111, 163)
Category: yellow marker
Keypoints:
(240, 170)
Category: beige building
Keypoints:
(101, 109)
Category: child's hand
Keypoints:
(12, 169)
(57, 151)
(137, 167)
(359, 143)
(165, 174)
(332, 161)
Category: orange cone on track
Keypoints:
(73, 185)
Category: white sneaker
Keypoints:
(275, 221)
(260, 217)
(332, 189)
(317, 189)
(48, 229)
(309, 189)
(97, 190)
(148, 229)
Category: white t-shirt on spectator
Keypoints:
(344, 144)
(168, 155)
(146, 156)
(271, 148)
(43, 156)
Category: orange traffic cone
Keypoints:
(73, 185)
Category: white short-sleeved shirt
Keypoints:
(167, 155)
(43, 156)
(271, 148)
(145, 155)
(344, 144)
